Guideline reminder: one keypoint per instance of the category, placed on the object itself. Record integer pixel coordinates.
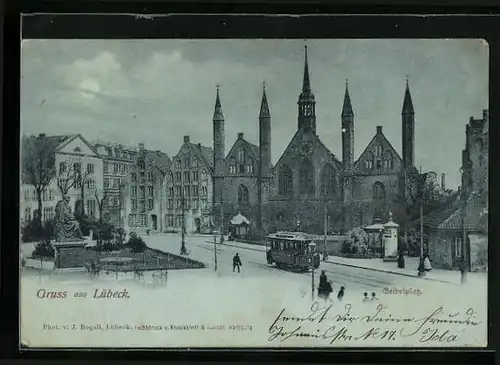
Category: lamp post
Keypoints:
(183, 226)
(463, 264)
(215, 250)
(312, 247)
(325, 229)
(422, 180)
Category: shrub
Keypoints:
(43, 250)
(109, 245)
(33, 231)
(103, 231)
(136, 244)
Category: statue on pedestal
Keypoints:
(67, 228)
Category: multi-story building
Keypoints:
(79, 165)
(117, 160)
(77, 173)
(188, 189)
(143, 198)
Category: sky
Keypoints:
(156, 91)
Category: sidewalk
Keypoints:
(376, 264)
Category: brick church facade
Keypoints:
(308, 179)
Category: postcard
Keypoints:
(262, 193)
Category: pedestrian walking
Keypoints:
(374, 296)
(236, 262)
(340, 294)
(365, 297)
(427, 263)
(401, 260)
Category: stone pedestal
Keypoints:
(390, 240)
(71, 254)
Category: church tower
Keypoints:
(264, 156)
(408, 128)
(347, 132)
(306, 103)
(219, 151)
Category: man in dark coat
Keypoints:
(236, 262)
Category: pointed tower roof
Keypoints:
(306, 95)
(264, 107)
(407, 103)
(218, 115)
(347, 107)
(306, 83)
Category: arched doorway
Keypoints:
(154, 222)
(197, 225)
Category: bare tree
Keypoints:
(83, 178)
(66, 177)
(101, 196)
(38, 167)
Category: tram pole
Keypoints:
(215, 252)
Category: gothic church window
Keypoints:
(250, 166)
(378, 151)
(328, 182)
(306, 178)
(232, 165)
(388, 160)
(285, 181)
(369, 161)
(242, 194)
(241, 161)
(378, 191)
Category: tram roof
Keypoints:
(291, 236)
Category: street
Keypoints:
(253, 258)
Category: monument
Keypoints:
(390, 240)
(69, 243)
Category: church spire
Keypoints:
(306, 103)
(347, 107)
(306, 83)
(218, 114)
(264, 107)
(407, 103)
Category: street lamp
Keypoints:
(183, 226)
(215, 250)
(463, 263)
(421, 187)
(312, 247)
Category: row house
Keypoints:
(117, 160)
(142, 192)
(188, 189)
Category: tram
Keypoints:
(291, 250)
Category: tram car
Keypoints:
(291, 250)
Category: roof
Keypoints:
(239, 219)
(50, 142)
(320, 143)
(385, 140)
(159, 159)
(450, 217)
(70, 138)
(205, 154)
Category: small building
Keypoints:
(375, 232)
(240, 226)
(443, 230)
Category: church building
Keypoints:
(308, 182)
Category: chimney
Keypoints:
(41, 135)
(240, 135)
(379, 129)
(141, 146)
(485, 114)
(443, 182)
(186, 139)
